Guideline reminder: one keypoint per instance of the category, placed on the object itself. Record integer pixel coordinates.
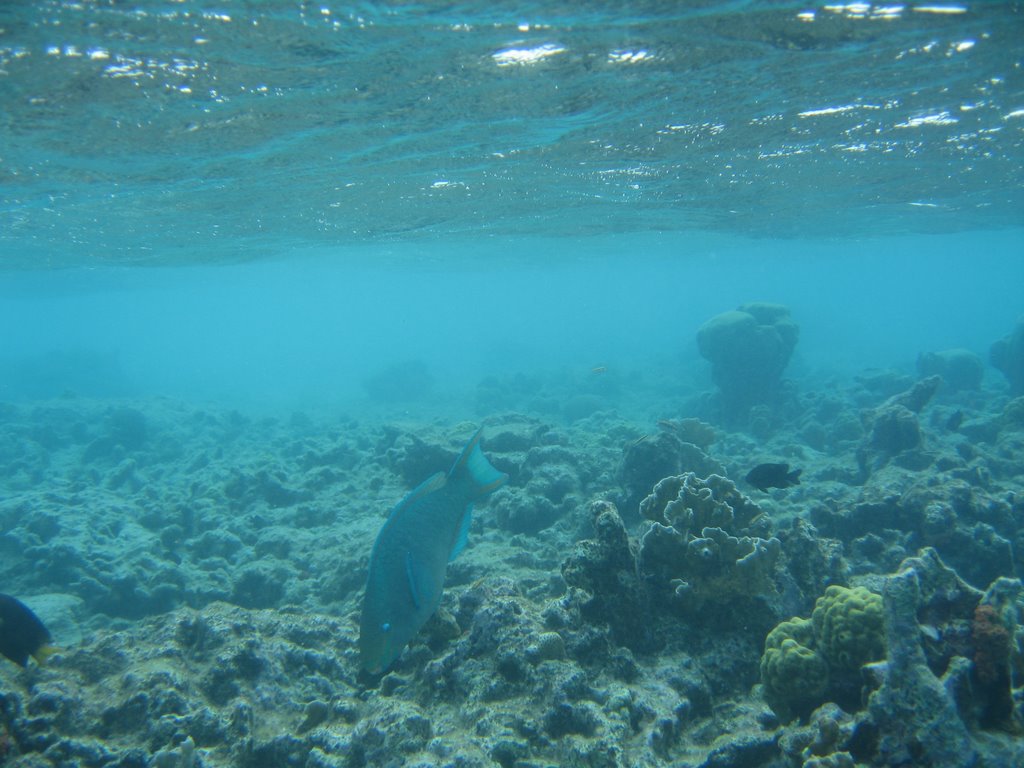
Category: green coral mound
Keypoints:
(807, 661)
(794, 673)
(848, 627)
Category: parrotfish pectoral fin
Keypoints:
(422, 587)
(485, 478)
(463, 537)
(414, 591)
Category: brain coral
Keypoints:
(807, 662)
(848, 627)
(794, 673)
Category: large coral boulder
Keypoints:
(748, 349)
(1007, 355)
(960, 369)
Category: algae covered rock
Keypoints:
(893, 429)
(604, 568)
(914, 714)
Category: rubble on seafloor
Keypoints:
(202, 571)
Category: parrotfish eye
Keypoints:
(385, 627)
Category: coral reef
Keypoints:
(688, 550)
(926, 703)
(1007, 355)
(748, 349)
(687, 502)
(794, 674)
(848, 627)
(960, 369)
(664, 454)
(818, 744)
(807, 662)
(201, 570)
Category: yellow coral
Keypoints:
(794, 674)
(848, 627)
(801, 630)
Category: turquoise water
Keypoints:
(306, 332)
(317, 190)
(392, 161)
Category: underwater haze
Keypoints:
(309, 331)
(734, 291)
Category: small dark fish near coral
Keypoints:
(765, 476)
(22, 634)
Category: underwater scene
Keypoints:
(595, 384)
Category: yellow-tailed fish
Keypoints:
(22, 634)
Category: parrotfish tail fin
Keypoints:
(794, 476)
(473, 464)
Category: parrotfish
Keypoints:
(765, 476)
(425, 531)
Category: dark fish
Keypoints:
(765, 476)
(22, 634)
(428, 528)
